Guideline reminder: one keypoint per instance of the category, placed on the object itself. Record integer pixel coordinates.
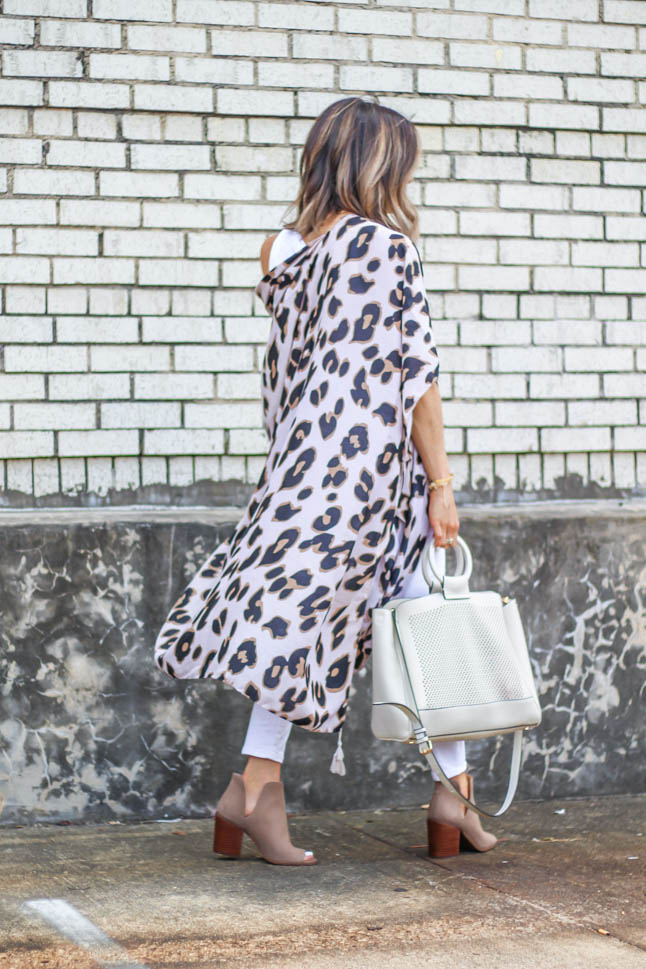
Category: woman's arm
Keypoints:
(265, 249)
(428, 438)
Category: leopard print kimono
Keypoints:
(281, 609)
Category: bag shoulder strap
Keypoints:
(426, 749)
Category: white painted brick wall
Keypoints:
(147, 149)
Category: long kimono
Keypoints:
(281, 610)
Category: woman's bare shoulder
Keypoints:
(265, 249)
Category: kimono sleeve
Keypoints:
(420, 361)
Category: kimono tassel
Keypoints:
(338, 763)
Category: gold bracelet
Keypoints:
(436, 482)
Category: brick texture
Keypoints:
(147, 149)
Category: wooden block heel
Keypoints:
(443, 839)
(227, 837)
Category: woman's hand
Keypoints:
(443, 516)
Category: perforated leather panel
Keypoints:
(452, 675)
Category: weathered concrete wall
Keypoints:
(91, 729)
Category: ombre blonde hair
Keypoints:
(358, 156)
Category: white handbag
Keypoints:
(452, 665)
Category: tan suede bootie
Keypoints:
(452, 826)
(266, 825)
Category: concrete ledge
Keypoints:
(91, 729)
(227, 514)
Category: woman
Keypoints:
(356, 477)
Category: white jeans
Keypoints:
(267, 733)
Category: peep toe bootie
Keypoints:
(266, 825)
(452, 826)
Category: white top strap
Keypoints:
(286, 243)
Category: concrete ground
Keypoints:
(566, 889)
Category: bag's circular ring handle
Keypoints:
(464, 561)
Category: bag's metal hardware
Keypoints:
(421, 737)
(506, 598)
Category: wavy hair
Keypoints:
(358, 156)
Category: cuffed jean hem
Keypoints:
(267, 735)
(450, 756)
